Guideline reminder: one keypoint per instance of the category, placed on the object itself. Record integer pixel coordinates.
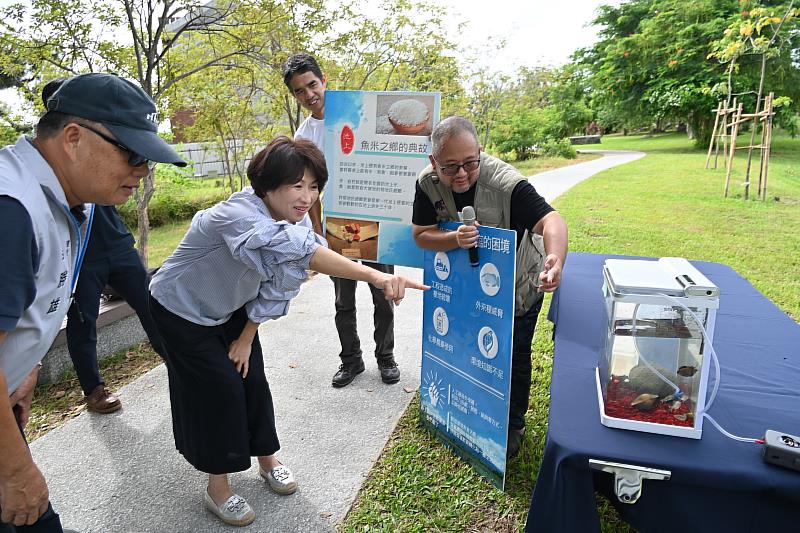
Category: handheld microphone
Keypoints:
(468, 219)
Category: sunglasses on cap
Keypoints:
(134, 159)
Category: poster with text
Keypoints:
(376, 144)
(467, 336)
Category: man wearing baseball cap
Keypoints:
(97, 140)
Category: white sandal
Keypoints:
(280, 479)
(235, 511)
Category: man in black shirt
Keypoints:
(461, 175)
(305, 80)
(110, 260)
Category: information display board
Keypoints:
(376, 144)
(467, 337)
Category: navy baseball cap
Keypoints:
(119, 105)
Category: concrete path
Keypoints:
(555, 182)
(120, 473)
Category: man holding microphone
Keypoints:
(461, 175)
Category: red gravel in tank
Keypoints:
(619, 396)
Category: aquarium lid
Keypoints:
(673, 276)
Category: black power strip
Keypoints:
(782, 449)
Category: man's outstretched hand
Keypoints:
(550, 276)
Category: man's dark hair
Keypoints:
(284, 162)
(450, 127)
(53, 122)
(300, 64)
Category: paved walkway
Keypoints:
(120, 472)
(552, 183)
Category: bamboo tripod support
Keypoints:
(734, 133)
(766, 143)
(714, 136)
(720, 132)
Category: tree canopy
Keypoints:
(659, 59)
(223, 59)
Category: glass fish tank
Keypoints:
(653, 371)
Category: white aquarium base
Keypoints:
(646, 427)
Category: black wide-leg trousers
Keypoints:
(220, 420)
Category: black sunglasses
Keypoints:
(452, 170)
(134, 159)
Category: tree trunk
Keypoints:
(755, 127)
(729, 98)
(292, 113)
(143, 196)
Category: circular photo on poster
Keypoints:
(487, 342)
(404, 114)
(490, 279)
(441, 265)
(440, 321)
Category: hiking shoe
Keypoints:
(235, 511)
(102, 400)
(280, 479)
(515, 437)
(389, 371)
(347, 373)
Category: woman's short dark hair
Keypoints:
(284, 162)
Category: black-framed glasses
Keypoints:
(452, 170)
(134, 159)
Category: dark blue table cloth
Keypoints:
(717, 484)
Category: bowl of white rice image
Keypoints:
(408, 116)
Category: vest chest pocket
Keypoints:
(492, 218)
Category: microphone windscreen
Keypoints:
(468, 215)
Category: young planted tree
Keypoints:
(231, 116)
(238, 107)
(488, 92)
(769, 33)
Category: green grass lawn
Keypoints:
(668, 204)
(665, 204)
(164, 239)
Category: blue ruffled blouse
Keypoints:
(236, 254)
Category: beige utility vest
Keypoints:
(496, 182)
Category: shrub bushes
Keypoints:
(178, 196)
(532, 132)
(557, 148)
(166, 208)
